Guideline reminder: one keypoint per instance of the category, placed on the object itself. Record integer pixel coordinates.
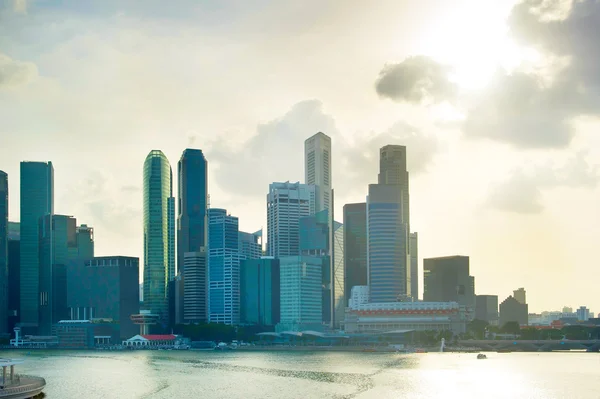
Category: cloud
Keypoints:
(522, 191)
(536, 107)
(15, 73)
(417, 79)
(276, 152)
(20, 6)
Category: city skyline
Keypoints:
(486, 199)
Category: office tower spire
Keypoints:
(317, 168)
(159, 259)
(3, 251)
(37, 200)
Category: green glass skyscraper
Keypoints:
(37, 200)
(3, 251)
(159, 233)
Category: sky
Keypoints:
(496, 101)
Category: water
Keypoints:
(290, 375)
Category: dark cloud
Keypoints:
(14, 73)
(276, 153)
(522, 191)
(417, 79)
(527, 109)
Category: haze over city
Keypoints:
(502, 142)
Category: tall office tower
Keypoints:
(259, 291)
(37, 200)
(392, 170)
(339, 277)
(14, 276)
(192, 197)
(317, 169)
(58, 247)
(223, 267)
(413, 250)
(355, 247)
(195, 287)
(387, 245)
(520, 295)
(158, 263)
(447, 279)
(3, 252)
(250, 245)
(301, 293)
(486, 308)
(286, 204)
(171, 237)
(85, 242)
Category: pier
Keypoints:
(18, 386)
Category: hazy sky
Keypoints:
(497, 103)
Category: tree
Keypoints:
(511, 327)
(530, 333)
(478, 327)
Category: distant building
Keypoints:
(85, 242)
(301, 293)
(224, 267)
(260, 291)
(511, 310)
(447, 279)
(85, 334)
(359, 296)
(251, 245)
(3, 252)
(583, 313)
(318, 168)
(105, 287)
(355, 247)
(287, 203)
(195, 283)
(486, 308)
(413, 249)
(14, 276)
(339, 277)
(520, 295)
(159, 233)
(37, 200)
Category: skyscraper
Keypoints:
(159, 261)
(393, 171)
(286, 204)
(85, 242)
(3, 251)
(339, 276)
(259, 291)
(317, 168)
(37, 200)
(447, 279)
(192, 222)
(355, 247)
(486, 308)
(223, 267)
(14, 276)
(413, 249)
(250, 245)
(195, 287)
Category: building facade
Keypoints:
(355, 247)
(287, 203)
(192, 221)
(511, 310)
(521, 296)
(37, 200)
(3, 252)
(387, 244)
(339, 276)
(317, 169)
(195, 287)
(301, 293)
(260, 291)
(14, 276)
(251, 245)
(486, 308)
(158, 227)
(447, 279)
(223, 267)
(393, 171)
(413, 249)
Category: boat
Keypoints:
(481, 356)
(18, 386)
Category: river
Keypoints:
(289, 375)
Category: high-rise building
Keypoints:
(159, 260)
(37, 200)
(192, 222)
(223, 267)
(520, 295)
(286, 204)
(195, 287)
(393, 171)
(14, 276)
(339, 283)
(85, 242)
(259, 291)
(413, 249)
(3, 252)
(317, 169)
(583, 313)
(106, 287)
(387, 245)
(58, 248)
(447, 279)
(486, 308)
(511, 310)
(250, 245)
(301, 293)
(355, 247)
